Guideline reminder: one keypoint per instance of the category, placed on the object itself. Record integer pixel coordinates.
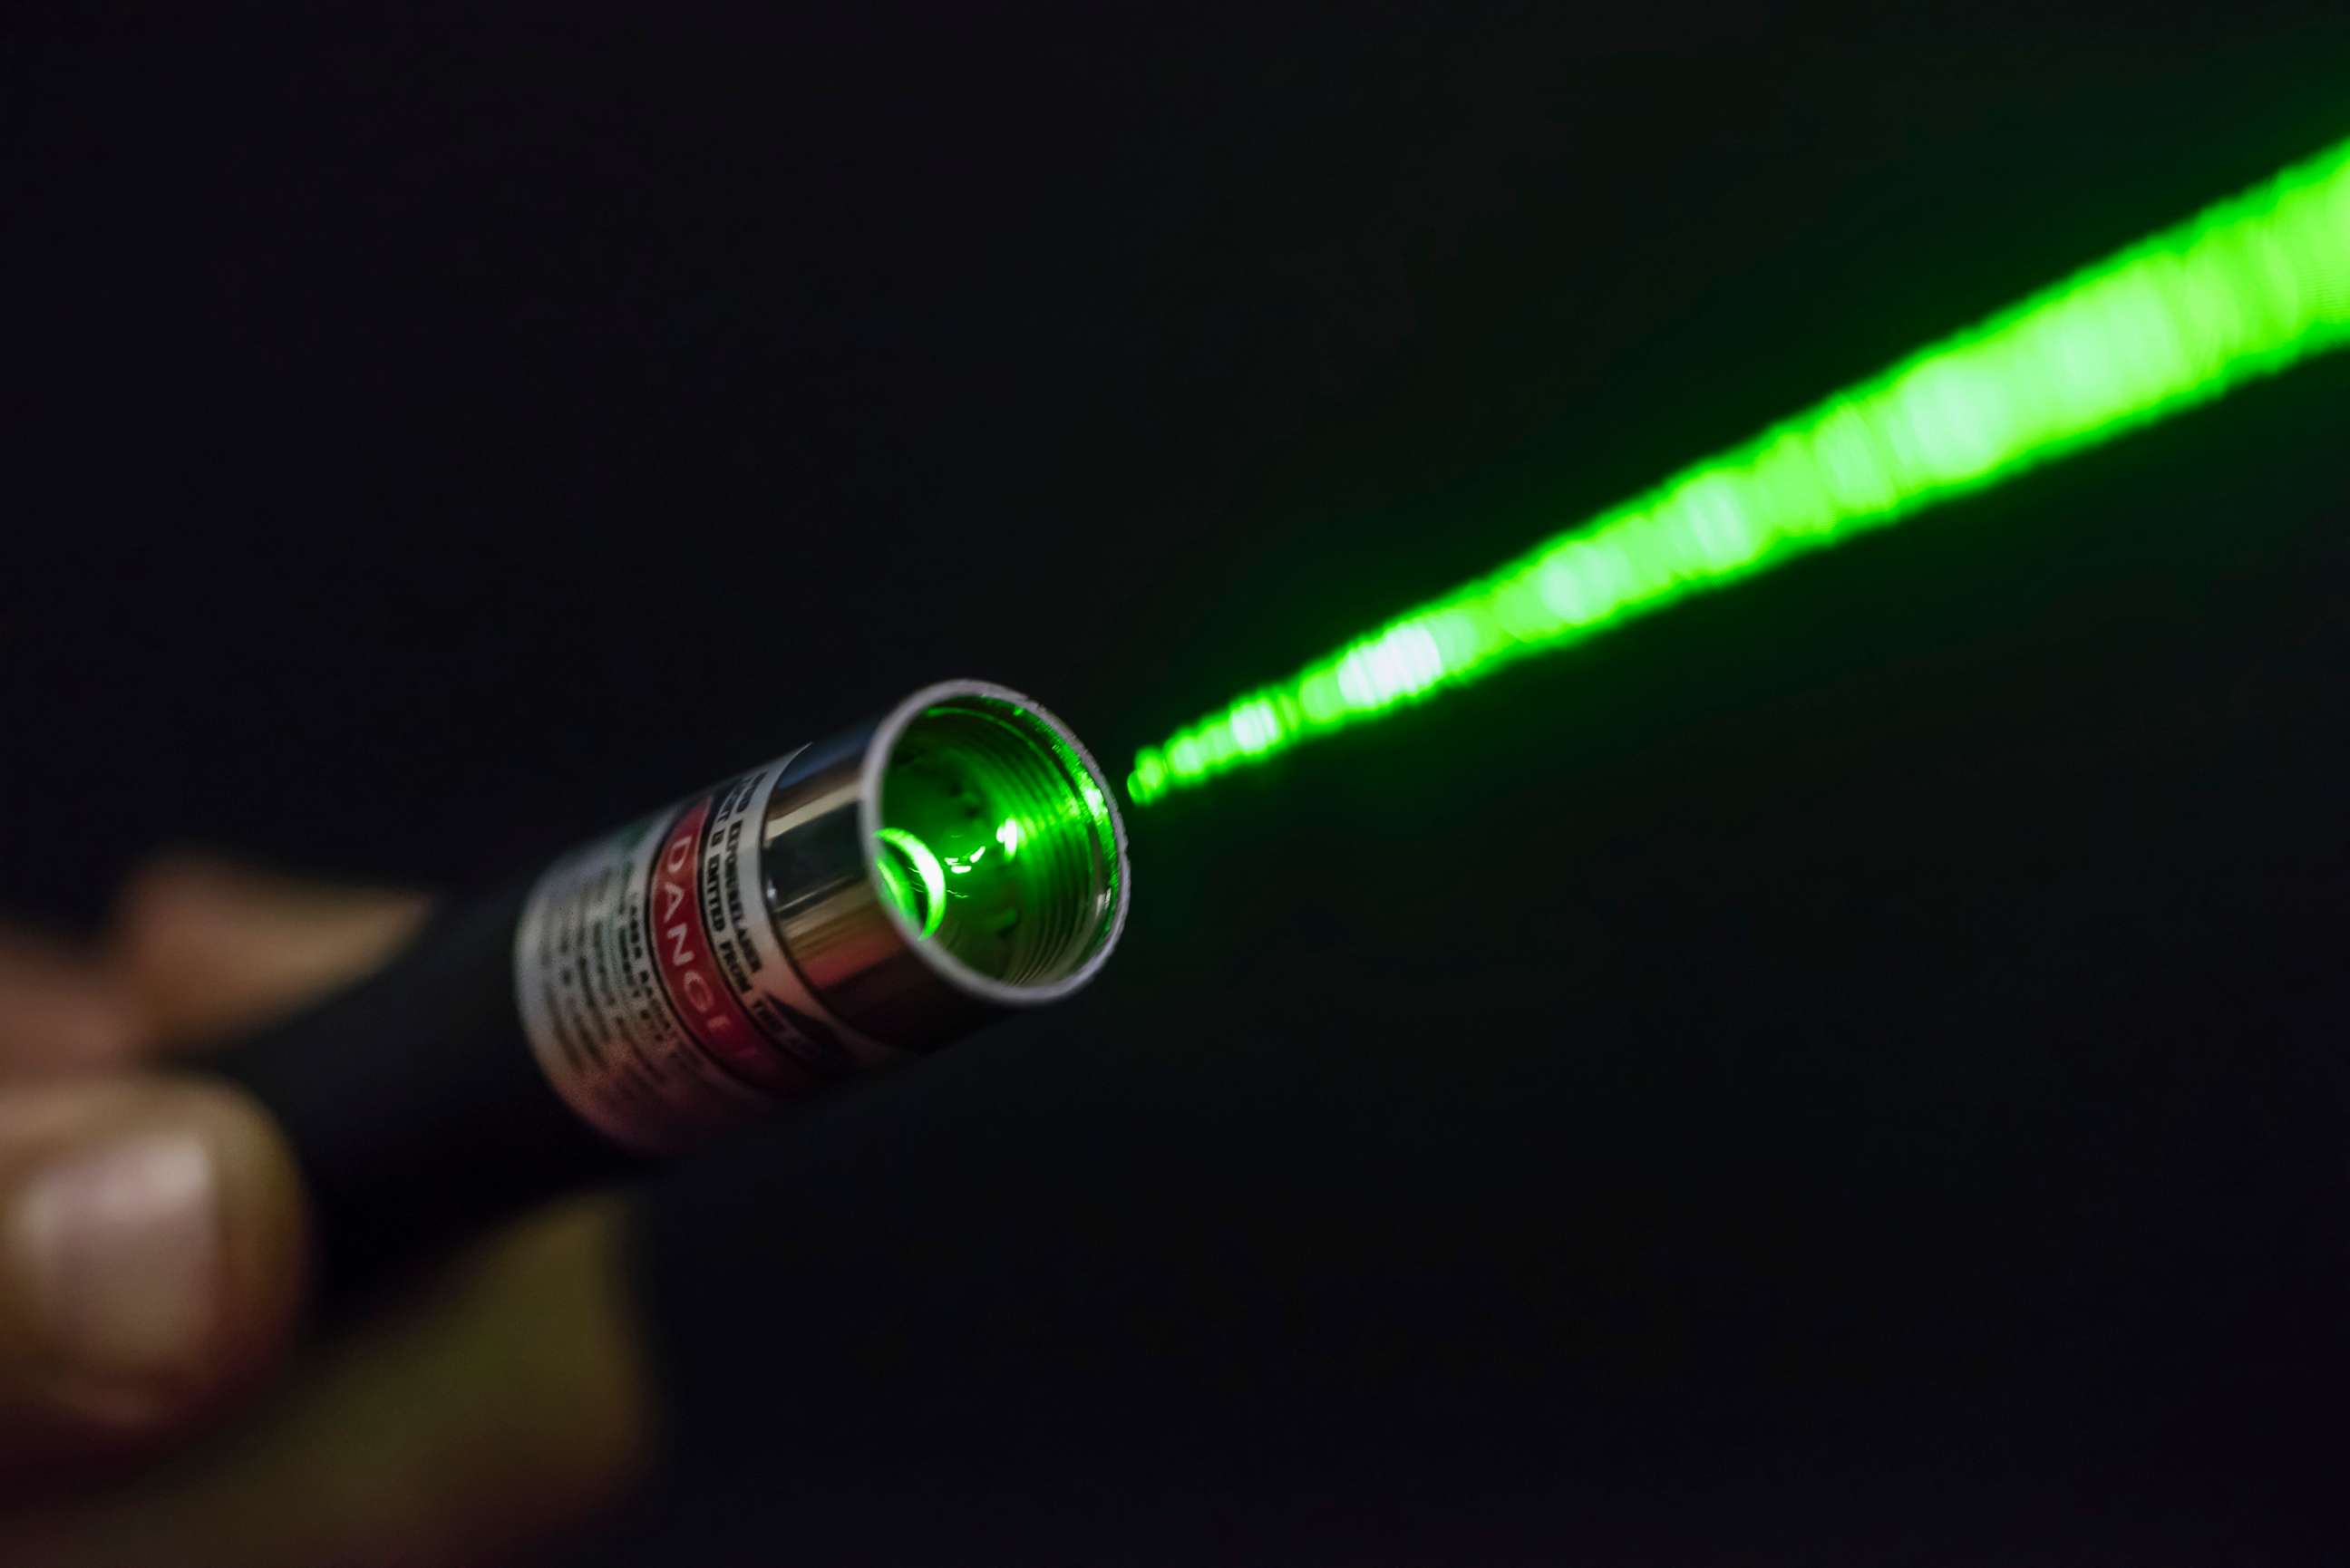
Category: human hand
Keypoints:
(162, 1399)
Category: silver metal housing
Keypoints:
(860, 956)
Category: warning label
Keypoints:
(654, 991)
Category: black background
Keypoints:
(1849, 1069)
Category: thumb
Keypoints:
(150, 1261)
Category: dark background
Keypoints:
(1847, 1070)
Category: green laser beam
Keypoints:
(2244, 289)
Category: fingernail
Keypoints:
(120, 1249)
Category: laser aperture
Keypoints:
(2245, 289)
(995, 842)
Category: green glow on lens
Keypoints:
(930, 907)
(2245, 289)
(1013, 838)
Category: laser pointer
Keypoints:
(849, 906)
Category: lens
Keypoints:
(911, 878)
(997, 843)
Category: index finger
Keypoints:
(198, 950)
(207, 949)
